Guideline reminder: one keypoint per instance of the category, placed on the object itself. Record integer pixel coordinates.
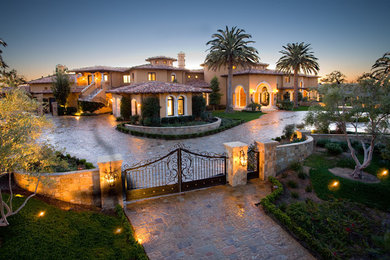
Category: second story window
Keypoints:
(105, 77)
(287, 79)
(151, 76)
(173, 77)
(126, 78)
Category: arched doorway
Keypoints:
(134, 107)
(264, 98)
(239, 97)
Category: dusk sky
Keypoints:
(345, 35)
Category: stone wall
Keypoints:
(339, 137)
(182, 130)
(288, 153)
(79, 187)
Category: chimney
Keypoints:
(181, 61)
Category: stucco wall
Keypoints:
(79, 187)
(288, 153)
(175, 130)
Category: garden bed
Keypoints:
(62, 234)
(224, 125)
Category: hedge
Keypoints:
(309, 242)
(231, 123)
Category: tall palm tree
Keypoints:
(2, 63)
(230, 48)
(382, 66)
(297, 58)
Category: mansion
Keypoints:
(173, 85)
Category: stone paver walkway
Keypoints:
(215, 223)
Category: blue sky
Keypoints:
(345, 35)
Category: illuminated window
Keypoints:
(300, 84)
(188, 76)
(156, 62)
(170, 107)
(173, 77)
(196, 76)
(151, 76)
(165, 62)
(105, 77)
(126, 78)
(234, 67)
(180, 106)
(134, 107)
(287, 79)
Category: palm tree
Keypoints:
(297, 57)
(2, 63)
(230, 48)
(382, 66)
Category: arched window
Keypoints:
(264, 97)
(173, 77)
(170, 106)
(180, 106)
(240, 97)
(134, 107)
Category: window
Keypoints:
(196, 76)
(133, 107)
(287, 79)
(105, 77)
(189, 76)
(152, 76)
(126, 78)
(301, 84)
(165, 62)
(170, 107)
(156, 62)
(180, 106)
(173, 77)
(234, 67)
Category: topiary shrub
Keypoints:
(198, 106)
(91, 107)
(125, 108)
(150, 110)
(333, 148)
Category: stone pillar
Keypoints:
(236, 172)
(54, 107)
(40, 100)
(267, 159)
(110, 170)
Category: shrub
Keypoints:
(333, 148)
(284, 174)
(295, 195)
(296, 166)
(71, 110)
(292, 184)
(283, 206)
(301, 175)
(309, 188)
(322, 142)
(286, 105)
(254, 106)
(125, 107)
(61, 110)
(289, 130)
(278, 139)
(134, 119)
(150, 110)
(198, 106)
(91, 107)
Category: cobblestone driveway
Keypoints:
(215, 223)
(93, 136)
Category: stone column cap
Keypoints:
(110, 158)
(235, 144)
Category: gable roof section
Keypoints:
(49, 79)
(157, 87)
(98, 68)
(160, 58)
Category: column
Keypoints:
(267, 159)
(237, 163)
(110, 170)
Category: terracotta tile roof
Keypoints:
(98, 68)
(48, 79)
(198, 83)
(267, 72)
(156, 87)
(156, 67)
(49, 91)
(160, 58)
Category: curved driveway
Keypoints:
(94, 136)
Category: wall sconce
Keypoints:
(243, 159)
(111, 175)
(276, 90)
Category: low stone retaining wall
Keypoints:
(286, 154)
(339, 137)
(79, 187)
(180, 130)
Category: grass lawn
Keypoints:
(301, 108)
(372, 195)
(63, 234)
(243, 115)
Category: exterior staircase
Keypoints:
(94, 93)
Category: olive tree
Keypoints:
(21, 145)
(344, 103)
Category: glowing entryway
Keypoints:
(239, 98)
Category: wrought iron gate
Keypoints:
(179, 170)
(253, 163)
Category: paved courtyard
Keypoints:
(93, 136)
(215, 223)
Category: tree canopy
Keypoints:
(61, 87)
(334, 77)
(215, 95)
